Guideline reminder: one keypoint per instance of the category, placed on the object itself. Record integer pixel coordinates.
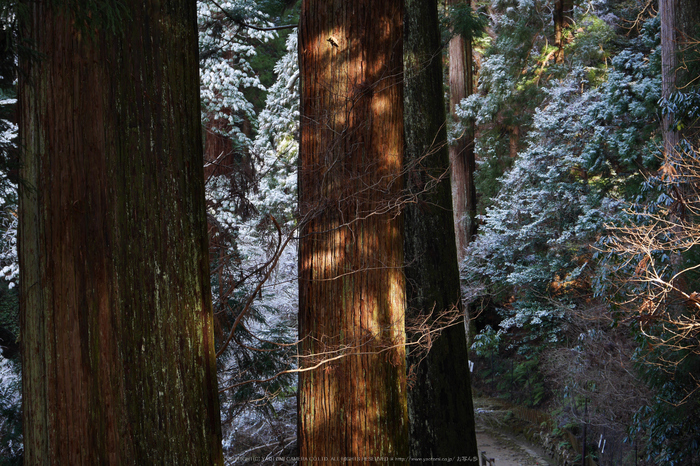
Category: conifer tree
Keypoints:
(117, 343)
(462, 157)
(439, 397)
(351, 286)
(679, 21)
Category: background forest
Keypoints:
(581, 277)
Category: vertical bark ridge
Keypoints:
(679, 25)
(116, 305)
(351, 283)
(440, 404)
(563, 12)
(461, 151)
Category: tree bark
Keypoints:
(461, 151)
(563, 10)
(439, 397)
(351, 284)
(679, 20)
(669, 63)
(116, 322)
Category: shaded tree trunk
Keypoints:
(563, 11)
(513, 140)
(351, 284)
(462, 150)
(679, 26)
(669, 63)
(439, 396)
(117, 344)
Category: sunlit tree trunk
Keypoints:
(462, 150)
(117, 347)
(439, 397)
(351, 284)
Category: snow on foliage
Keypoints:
(226, 44)
(562, 150)
(263, 243)
(8, 253)
(9, 262)
(11, 446)
(276, 146)
(590, 134)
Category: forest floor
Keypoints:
(497, 440)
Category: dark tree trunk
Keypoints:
(117, 345)
(439, 401)
(679, 26)
(563, 11)
(351, 284)
(669, 63)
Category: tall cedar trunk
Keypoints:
(462, 150)
(351, 284)
(679, 27)
(439, 397)
(563, 10)
(118, 356)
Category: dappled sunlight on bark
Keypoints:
(351, 283)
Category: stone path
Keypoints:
(501, 445)
(507, 451)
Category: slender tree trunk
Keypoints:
(669, 63)
(462, 150)
(513, 140)
(351, 284)
(461, 153)
(563, 10)
(439, 401)
(679, 23)
(117, 347)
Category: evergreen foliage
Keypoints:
(260, 261)
(9, 157)
(226, 46)
(461, 19)
(11, 448)
(583, 151)
(667, 421)
(564, 151)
